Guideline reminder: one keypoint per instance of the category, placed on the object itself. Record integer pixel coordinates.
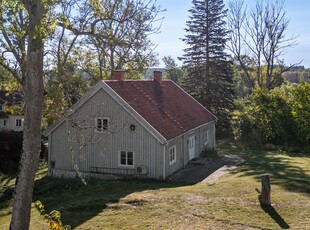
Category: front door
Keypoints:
(191, 147)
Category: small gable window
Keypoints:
(126, 158)
(102, 124)
(172, 155)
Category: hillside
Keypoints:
(150, 72)
(297, 74)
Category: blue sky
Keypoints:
(168, 41)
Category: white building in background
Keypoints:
(9, 122)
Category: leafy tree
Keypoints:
(92, 40)
(300, 104)
(210, 75)
(134, 75)
(173, 72)
(259, 34)
(55, 103)
(124, 38)
(271, 117)
(280, 116)
(117, 31)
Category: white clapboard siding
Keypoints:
(181, 144)
(76, 143)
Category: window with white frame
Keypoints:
(206, 137)
(102, 124)
(4, 123)
(126, 158)
(172, 155)
(18, 122)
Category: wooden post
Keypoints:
(266, 189)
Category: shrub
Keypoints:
(280, 117)
(53, 219)
(11, 144)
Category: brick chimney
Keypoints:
(119, 75)
(157, 76)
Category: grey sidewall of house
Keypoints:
(204, 137)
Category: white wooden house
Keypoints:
(10, 122)
(122, 127)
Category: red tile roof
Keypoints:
(169, 109)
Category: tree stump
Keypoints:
(264, 197)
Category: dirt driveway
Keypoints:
(205, 171)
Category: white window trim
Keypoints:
(96, 122)
(119, 159)
(174, 160)
(3, 123)
(207, 137)
(18, 122)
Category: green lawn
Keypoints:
(230, 203)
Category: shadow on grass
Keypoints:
(78, 203)
(280, 168)
(5, 181)
(275, 216)
(6, 191)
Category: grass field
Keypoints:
(230, 203)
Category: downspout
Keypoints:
(183, 151)
(164, 161)
(214, 133)
(49, 151)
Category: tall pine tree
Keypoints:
(210, 75)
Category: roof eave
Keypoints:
(191, 130)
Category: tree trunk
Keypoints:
(266, 189)
(33, 88)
